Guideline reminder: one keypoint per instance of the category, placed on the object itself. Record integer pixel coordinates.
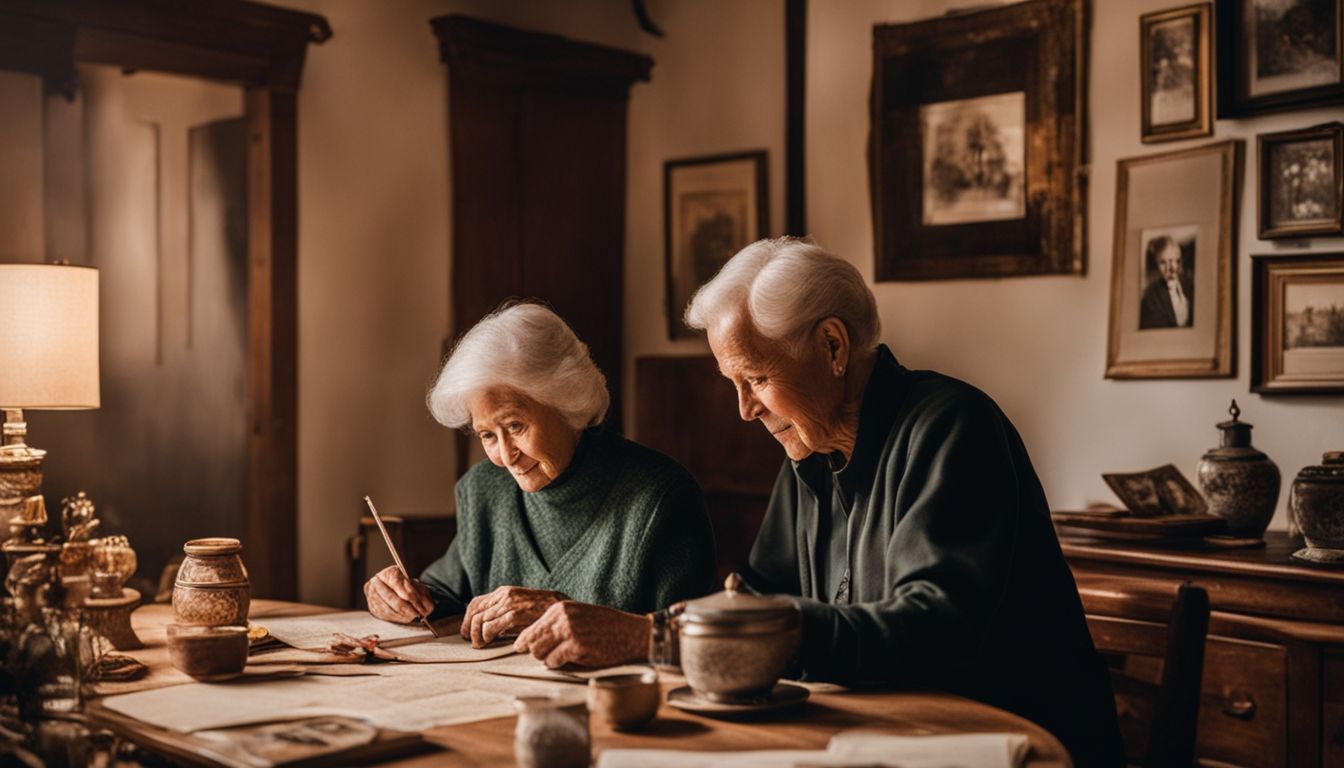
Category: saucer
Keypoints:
(782, 696)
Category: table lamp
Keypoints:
(48, 361)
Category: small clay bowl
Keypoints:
(208, 654)
(626, 701)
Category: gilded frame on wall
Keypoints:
(1175, 74)
(976, 144)
(1278, 55)
(1297, 332)
(1173, 304)
(712, 207)
(1301, 181)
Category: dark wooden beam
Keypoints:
(795, 108)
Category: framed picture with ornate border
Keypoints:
(1302, 181)
(1175, 74)
(1173, 310)
(976, 143)
(1277, 55)
(1297, 308)
(712, 207)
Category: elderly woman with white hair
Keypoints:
(908, 519)
(565, 516)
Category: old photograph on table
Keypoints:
(1175, 73)
(974, 153)
(1172, 264)
(712, 207)
(1302, 182)
(1298, 308)
(1279, 54)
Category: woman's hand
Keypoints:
(586, 634)
(393, 597)
(504, 610)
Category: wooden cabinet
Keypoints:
(1273, 684)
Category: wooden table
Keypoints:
(490, 742)
(1273, 687)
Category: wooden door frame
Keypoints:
(262, 49)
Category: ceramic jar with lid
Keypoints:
(1240, 484)
(1316, 505)
(212, 588)
(734, 645)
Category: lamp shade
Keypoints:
(48, 336)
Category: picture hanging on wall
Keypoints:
(1172, 301)
(1302, 182)
(1276, 55)
(1175, 74)
(712, 208)
(1297, 308)
(976, 143)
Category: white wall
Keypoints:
(1038, 345)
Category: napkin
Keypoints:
(849, 748)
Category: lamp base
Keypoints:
(20, 466)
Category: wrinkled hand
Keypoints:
(507, 608)
(393, 597)
(586, 634)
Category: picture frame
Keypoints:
(1301, 181)
(1011, 78)
(1278, 55)
(1173, 303)
(1175, 74)
(713, 206)
(1297, 308)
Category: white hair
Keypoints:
(530, 349)
(783, 287)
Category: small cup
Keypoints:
(626, 701)
(208, 654)
(552, 732)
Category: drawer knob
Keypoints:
(1237, 704)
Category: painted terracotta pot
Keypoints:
(212, 588)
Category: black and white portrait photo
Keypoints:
(974, 152)
(1302, 184)
(1171, 71)
(1292, 44)
(1168, 295)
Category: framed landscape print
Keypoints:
(976, 143)
(1297, 307)
(1302, 182)
(1173, 307)
(1175, 74)
(712, 208)
(1276, 55)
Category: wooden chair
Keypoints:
(1156, 648)
(421, 539)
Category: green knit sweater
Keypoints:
(623, 526)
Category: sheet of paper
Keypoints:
(525, 666)
(314, 632)
(450, 648)
(850, 748)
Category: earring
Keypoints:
(839, 370)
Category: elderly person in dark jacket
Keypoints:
(565, 518)
(908, 519)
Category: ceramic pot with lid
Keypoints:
(1316, 507)
(734, 644)
(1240, 483)
(212, 588)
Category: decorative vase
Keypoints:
(1316, 507)
(212, 588)
(1240, 484)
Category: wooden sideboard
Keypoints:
(1273, 687)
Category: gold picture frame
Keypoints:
(1173, 307)
(1175, 74)
(1297, 308)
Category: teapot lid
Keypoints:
(1235, 433)
(736, 604)
(1330, 468)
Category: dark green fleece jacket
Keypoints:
(956, 579)
(623, 526)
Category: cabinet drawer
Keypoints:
(1244, 703)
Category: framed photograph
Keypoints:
(1302, 182)
(712, 208)
(1175, 74)
(1276, 55)
(1297, 308)
(1173, 309)
(976, 143)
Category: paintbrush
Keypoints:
(396, 557)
